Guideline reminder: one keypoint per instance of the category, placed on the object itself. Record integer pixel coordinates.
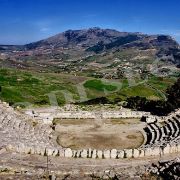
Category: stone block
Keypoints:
(99, 154)
(68, 153)
(114, 153)
(128, 153)
(135, 153)
(120, 154)
(107, 154)
(78, 155)
(74, 153)
(49, 152)
(56, 152)
(89, 153)
(141, 153)
(84, 153)
(61, 153)
(94, 154)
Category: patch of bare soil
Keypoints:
(103, 134)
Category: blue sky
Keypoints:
(24, 21)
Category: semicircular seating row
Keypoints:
(18, 130)
(160, 135)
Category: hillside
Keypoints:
(95, 52)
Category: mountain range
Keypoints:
(95, 51)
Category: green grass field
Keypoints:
(18, 86)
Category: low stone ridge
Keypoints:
(47, 115)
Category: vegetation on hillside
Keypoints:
(32, 88)
(159, 107)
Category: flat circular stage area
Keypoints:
(99, 134)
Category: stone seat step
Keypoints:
(178, 116)
(169, 130)
(154, 133)
(159, 132)
(148, 134)
(175, 127)
(177, 123)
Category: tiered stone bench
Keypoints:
(157, 135)
(18, 133)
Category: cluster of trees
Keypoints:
(99, 100)
(158, 107)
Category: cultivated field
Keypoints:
(19, 86)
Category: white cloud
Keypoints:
(175, 32)
(44, 29)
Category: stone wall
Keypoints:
(98, 154)
(48, 116)
(95, 154)
(119, 154)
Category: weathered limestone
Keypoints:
(173, 149)
(94, 154)
(150, 119)
(78, 155)
(120, 154)
(56, 152)
(128, 153)
(148, 152)
(21, 135)
(178, 147)
(141, 153)
(33, 151)
(166, 149)
(61, 153)
(89, 153)
(114, 153)
(155, 151)
(136, 153)
(74, 154)
(2, 150)
(99, 154)
(68, 153)
(84, 153)
(47, 115)
(107, 154)
(49, 152)
(27, 150)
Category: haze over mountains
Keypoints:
(93, 49)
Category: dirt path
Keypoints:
(37, 165)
